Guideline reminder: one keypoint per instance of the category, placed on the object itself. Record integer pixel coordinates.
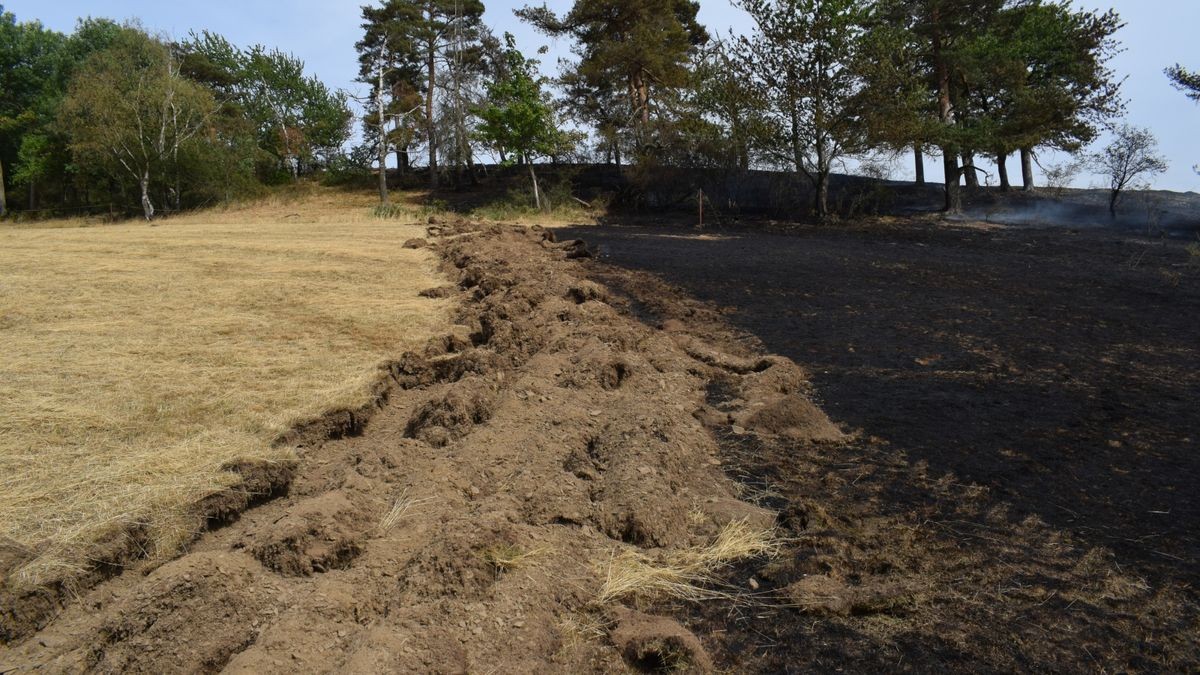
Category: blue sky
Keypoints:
(323, 33)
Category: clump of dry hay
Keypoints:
(400, 509)
(686, 574)
(509, 557)
(140, 360)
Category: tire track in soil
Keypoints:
(549, 422)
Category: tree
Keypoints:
(933, 34)
(518, 117)
(1187, 81)
(29, 59)
(296, 118)
(1054, 88)
(390, 63)
(130, 109)
(634, 47)
(717, 119)
(896, 107)
(997, 75)
(799, 57)
(438, 37)
(1131, 156)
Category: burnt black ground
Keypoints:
(1060, 369)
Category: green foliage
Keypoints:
(631, 54)
(391, 212)
(130, 111)
(295, 118)
(352, 169)
(70, 101)
(556, 197)
(1187, 81)
(518, 118)
(987, 76)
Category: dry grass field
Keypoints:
(138, 360)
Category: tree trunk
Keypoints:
(953, 193)
(1002, 169)
(969, 170)
(383, 186)
(147, 205)
(919, 162)
(431, 64)
(402, 160)
(537, 194)
(1112, 203)
(383, 143)
(822, 197)
(3, 194)
(1027, 169)
(946, 117)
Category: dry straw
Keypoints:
(689, 573)
(139, 360)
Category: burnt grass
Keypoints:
(1022, 490)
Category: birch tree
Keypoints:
(129, 108)
(518, 118)
(1127, 161)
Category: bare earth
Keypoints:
(1023, 491)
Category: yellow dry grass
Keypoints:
(689, 573)
(138, 360)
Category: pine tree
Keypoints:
(800, 57)
(1187, 81)
(628, 50)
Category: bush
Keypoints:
(351, 169)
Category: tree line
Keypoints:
(111, 115)
(814, 82)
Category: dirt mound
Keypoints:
(658, 644)
(467, 524)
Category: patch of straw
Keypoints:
(688, 574)
(508, 557)
(139, 361)
(399, 510)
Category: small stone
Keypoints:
(738, 431)
(753, 584)
(644, 470)
(594, 413)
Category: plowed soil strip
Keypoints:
(475, 521)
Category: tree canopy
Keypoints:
(518, 117)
